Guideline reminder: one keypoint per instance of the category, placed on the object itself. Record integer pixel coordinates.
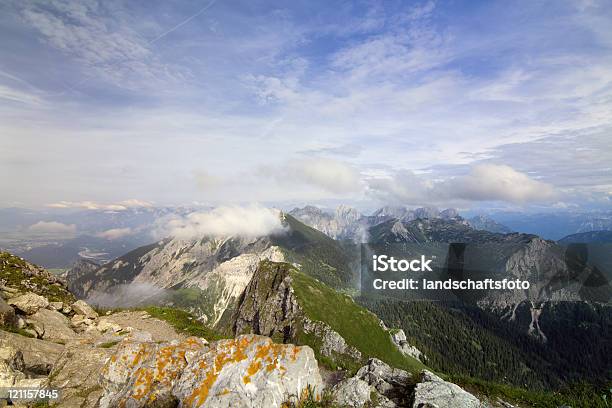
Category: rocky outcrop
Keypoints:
(399, 339)
(268, 305)
(352, 392)
(247, 371)
(332, 343)
(433, 391)
(390, 383)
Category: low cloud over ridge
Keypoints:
(250, 221)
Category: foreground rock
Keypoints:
(7, 315)
(433, 391)
(249, 371)
(29, 303)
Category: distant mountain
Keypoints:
(600, 237)
(347, 223)
(482, 222)
(555, 225)
(344, 223)
(215, 270)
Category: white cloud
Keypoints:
(484, 182)
(491, 182)
(52, 227)
(92, 205)
(115, 233)
(250, 221)
(330, 175)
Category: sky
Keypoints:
(448, 103)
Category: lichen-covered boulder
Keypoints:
(247, 371)
(29, 303)
(433, 391)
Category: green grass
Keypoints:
(12, 271)
(359, 327)
(183, 322)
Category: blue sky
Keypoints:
(448, 103)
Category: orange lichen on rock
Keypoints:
(227, 351)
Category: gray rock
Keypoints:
(433, 391)
(392, 383)
(7, 315)
(401, 342)
(76, 373)
(38, 355)
(29, 303)
(331, 341)
(82, 308)
(56, 305)
(55, 326)
(352, 392)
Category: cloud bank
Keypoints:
(52, 227)
(484, 182)
(115, 233)
(251, 221)
(327, 174)
(92, 205)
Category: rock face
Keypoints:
(268, 305)
(433, 391)
(29, 303)
(247, 371)
(343, 223)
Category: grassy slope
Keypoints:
(320, 256)
(359, 327)
(13, 271)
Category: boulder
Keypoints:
(7, 315)
(392, 383)
(246, 371)
(352, 392)
(29, 303)
(56, 305)
(107, 326)
(55, 326)
(81, 322)
(82, 308)
(433, 391)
